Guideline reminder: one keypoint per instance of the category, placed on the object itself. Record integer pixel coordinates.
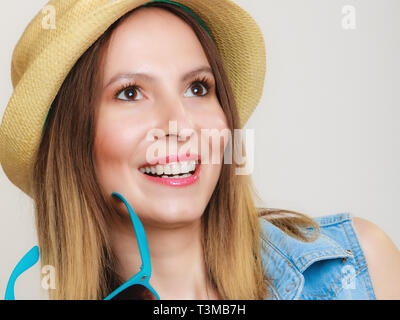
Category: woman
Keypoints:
(154, 65)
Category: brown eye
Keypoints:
(129, 93)
(198, 89)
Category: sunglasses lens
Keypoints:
(135, 292)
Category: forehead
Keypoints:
(152, 38)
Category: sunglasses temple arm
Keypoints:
(140, 236)
(32, 256)
(27, 261)
(133, 280)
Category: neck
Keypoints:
(177, 260)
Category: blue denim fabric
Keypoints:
(333, 267)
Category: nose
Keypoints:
(174, 117)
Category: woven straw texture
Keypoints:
(43, 57)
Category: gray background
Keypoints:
(327, 139)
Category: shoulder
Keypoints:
(333, 266)
(383, 258)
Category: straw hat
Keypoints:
(44, 56)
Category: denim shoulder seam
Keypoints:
(329, 220)
(344, 220)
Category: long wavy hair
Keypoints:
(73, 214)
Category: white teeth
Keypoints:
(184, 167)
(167, 169)
(159, 169)
(174, 168)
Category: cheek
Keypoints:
(110, 142)
(215, 124)
(212, 117)
(114, 146)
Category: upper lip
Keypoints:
(172, 158)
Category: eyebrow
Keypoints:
(150, 78)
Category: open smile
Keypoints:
(173, 173)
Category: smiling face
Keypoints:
(153, 70)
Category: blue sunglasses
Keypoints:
(137, 287)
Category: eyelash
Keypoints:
(204, 80)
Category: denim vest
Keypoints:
(333, 267)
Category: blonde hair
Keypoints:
(72, 212)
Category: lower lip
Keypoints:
(180, 182)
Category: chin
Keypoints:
(174, 218)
